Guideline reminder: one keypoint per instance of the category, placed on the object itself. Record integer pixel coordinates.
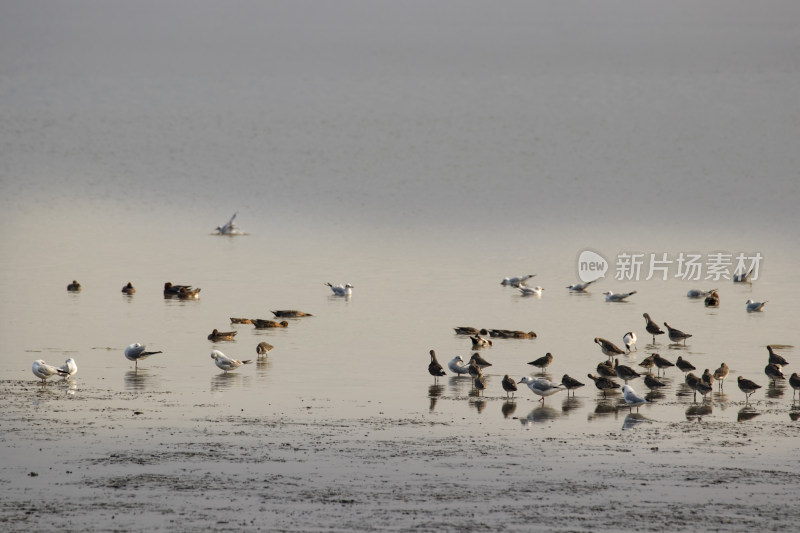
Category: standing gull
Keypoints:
(69, 368)
(631, 398)
(457, 366)
(44, 371)
(226, 363)
(676, 335)
(434, 368)
(136, 351)
(651, 327)
(753, 307)
(542, 387)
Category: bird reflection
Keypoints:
(540, 415)
(136, 380)
(263, 364)
(226, 381)
(775, 389)
(461, 385)
(479, 404)
(434, 391)
(654, 395)
(698, 411)
(633, 419)
(571, 403)
(746, 413)
(602, 410)
(794, 415)
(72, 386)
(508, 408)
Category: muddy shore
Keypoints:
(127, 461)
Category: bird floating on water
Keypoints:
(516, 281)
(617, 297)
(580, 287)
(341, 290)
(753, 307)
(712, 300)
(697, 293)
(531, 291)
(290, 313)
(74, 286)
(222, 335)
(740, 276)
(173, 290)
(128, 289)
(229, 228)
(136, 351)
(480, 342)
(260, 323)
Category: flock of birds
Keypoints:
(137, 352)
(609, 370)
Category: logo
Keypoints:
(591, 266)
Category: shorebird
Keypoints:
(794, 382)
(617, 297)
(226, 363)
(684, 365)
(473, 369)
(606, 369)
(775, 358)
(479, 382)
(260, 323)
(608, 347)
(229, 228)
(222, 335)
(434, 368)
(509, 385)
(703, 388)
(173, 290)
(240, 320)
(712, 300)
(631, 398)
(676, 335)
(74, 286)
(68, 369)
(707, 377)
(629, 339)
(570, 383)
(651, 327)
(753, 307)
(289, 313)
(697, 293)
(661, 363)
(516, 281)
(653, 383)
(531, 291)
(263, 348)
(480, 342)
(774, 372)
(457, 366)
(721, 373)
(624, 372)
(542, 362)
(128, 289)
(580, 287)
(341, 290)
(44, 371)
(691, 381)
(542, 387)
(648, 362)
(741, 277)
(186, 294)
(604, 384)
(747, 387)
(480, 361)
(136, 351)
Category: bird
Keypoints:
(543, 362)
(653, 383)
(74, 286)
(570, 383)
(341, 290)
(691, 381)
(480, 342)
(44, 371)
(136, 351)
(68, 369)
(753, 307)
(648, 362)
(697, 293)
(747, 387)
(794, 382)
(630, 341)
(188, 294)
(290, 313)
(542, 387)
(684, 365)
(631, 398)
(774, 372)
(241, 320)
(703, 388)
(516, 281)
(608, 347)
(531, 291)
(263, 348)
(479, 382)
(468, 330)
(603, 383)
(473, 369)
(509, 385)
(434, 368)
(173, 290)
(222, 335)
(651, 327)
(259, 323)
(707, 377)
(617, 297)
(509, 334)
(229, 228)
(480, 361)
(661, 363)
(720, 374)
(712, 300)
(580, 287)
(606, 369)
(457, 366)
(740, 276)
(226, 363)
(775, 358)
(676, 335)
(624, 372)
(128, 289)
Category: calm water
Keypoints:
(419, 154)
